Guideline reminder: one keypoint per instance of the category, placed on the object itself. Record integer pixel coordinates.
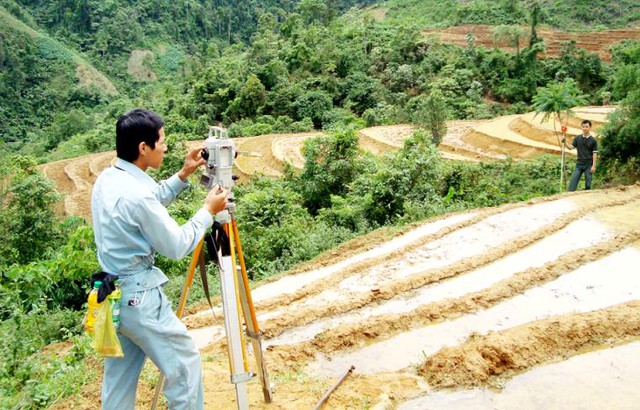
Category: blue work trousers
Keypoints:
(149, 327)
(577, 174)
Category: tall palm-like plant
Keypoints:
(556, 100)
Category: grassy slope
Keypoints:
(570, 15)
(87, 74)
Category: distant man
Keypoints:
(587, 147)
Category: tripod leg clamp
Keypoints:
(253, 335)
(242, 377)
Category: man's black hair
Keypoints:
(586, 122)
(134, 127)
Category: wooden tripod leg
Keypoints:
(253, 330)
(188, 281)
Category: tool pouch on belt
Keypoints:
(108, 284)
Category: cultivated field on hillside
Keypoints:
(593, 42)
(527, 305)
(520, 306)
(518, 136)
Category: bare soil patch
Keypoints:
(139, 64)
(489, 359)
(594, 42)
(89, 76)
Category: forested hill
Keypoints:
(568, 15)
(69, 67)
(40, 42)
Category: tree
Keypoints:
(621, 140)
(27, 221)
(330, 165)
(251, 98)
(556, 101)
(314, 104)
(622, 133)
(535, 20)
(431, 114)
(511, 33)
(313, 10)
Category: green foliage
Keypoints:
(251, 97)
(330, 165)
(27, 220)
(621, 140)
(585, 68)
(267, 124)
(32, 379)
(277, 231)
(621, 144)
(575, 15)
(627, 76)
(431, 114)
(65, 125)
(485, 12)
(313, 105)
(34, 83)
(60, 280)
(557, 99)
(410, 176)
(491, 184)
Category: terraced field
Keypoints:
(527, 305)
(594, 42)
(518, 136)
(457, 312)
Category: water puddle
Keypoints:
(582, 233)
(205, 336)
(292, 283)
(461, 244)
(605, 379)
(606, 282)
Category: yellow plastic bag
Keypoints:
(105, 340)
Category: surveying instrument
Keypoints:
(235, 293)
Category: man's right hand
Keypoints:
(216, 200)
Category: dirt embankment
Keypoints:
(594, 42)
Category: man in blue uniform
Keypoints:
(131, 224)
(587, 147)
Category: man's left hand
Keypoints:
(191, 163)
(593, 169)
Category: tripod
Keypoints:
(235, 294)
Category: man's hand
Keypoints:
(216, 200)
(191, 163)
(593, 169)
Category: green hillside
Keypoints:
(580, 15)
(277, 66)
(69, 68)
(41, 77)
